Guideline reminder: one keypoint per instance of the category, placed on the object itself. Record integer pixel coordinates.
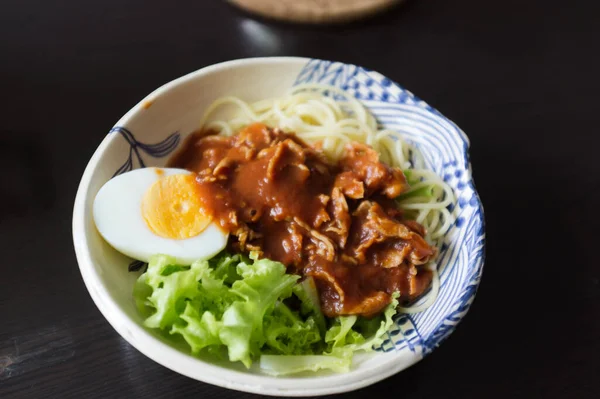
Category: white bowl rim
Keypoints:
(172, 358)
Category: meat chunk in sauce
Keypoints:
(335, 222)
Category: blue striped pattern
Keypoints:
(445, 149)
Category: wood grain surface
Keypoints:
(520, 78)
(315, 11)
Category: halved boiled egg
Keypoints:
(156, 211)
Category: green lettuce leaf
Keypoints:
(341, 333)
(346, 335)
(263, 283)
(339, 361)
(216, 303)
(249, 308)
(286, 332)
(201, 330)
(386, 322)
(306, 291)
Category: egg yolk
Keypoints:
(172, 209)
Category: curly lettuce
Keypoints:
(253, 310)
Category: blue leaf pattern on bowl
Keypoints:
(158, 150)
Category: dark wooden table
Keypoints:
(520, 77)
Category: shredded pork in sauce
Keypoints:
(335, 222)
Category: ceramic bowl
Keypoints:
(155, 127)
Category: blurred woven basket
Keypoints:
(315, 11)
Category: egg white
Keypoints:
(118, 217)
